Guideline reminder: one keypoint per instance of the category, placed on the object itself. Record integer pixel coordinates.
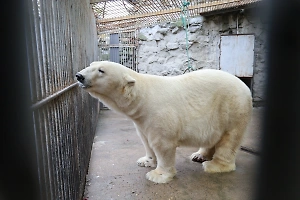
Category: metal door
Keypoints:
(237, 54)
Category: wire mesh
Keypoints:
(130, 14)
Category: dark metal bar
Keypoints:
(51, 97)
(250, 150)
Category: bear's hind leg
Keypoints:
(203, 154)
(225, 152)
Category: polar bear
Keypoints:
(208, 109)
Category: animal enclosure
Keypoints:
(65, 37)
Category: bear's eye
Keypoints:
(100, 70)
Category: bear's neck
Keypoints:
(127, 105)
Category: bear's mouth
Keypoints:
(83, 85)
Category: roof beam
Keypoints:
(174, 10)
(139, 16)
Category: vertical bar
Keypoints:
(114, 51)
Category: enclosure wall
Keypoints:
(163, 47)
(62, 41)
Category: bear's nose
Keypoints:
(79, 77)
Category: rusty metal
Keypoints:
(63, 41)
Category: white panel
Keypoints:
(237, 54)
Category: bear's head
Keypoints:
(102, 78)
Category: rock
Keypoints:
(193, 29)
(178, 23)
(196, 20)
(142, 37)
(172, 46)
(175, 30)
(158, 36)
(183, 45)
(163, 31)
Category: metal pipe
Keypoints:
(51, 97)
(237, 24)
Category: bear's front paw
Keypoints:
(146, 162)
(157, 176)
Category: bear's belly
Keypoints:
(199, 138)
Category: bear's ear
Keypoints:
(129, 79)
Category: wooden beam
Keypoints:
(139, 16)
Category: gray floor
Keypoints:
(114, 174)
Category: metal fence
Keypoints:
(120, 47)
(63, 41)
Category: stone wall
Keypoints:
(162, 48)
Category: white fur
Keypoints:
(208, 108)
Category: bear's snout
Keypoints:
(79, 77)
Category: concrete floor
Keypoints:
(114, 174)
